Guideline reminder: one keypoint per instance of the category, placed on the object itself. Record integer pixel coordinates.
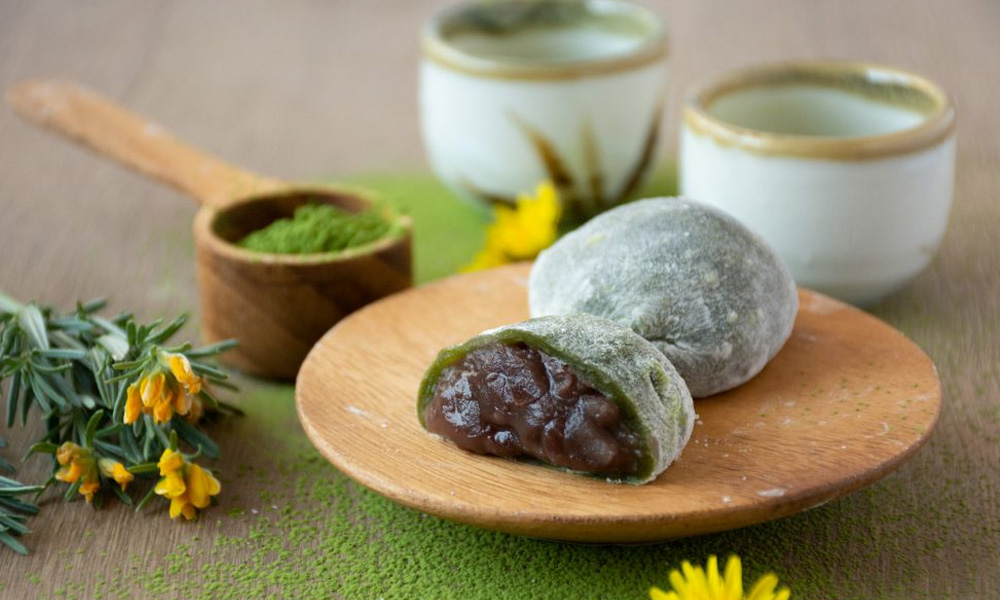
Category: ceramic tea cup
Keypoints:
(847, 169)
(514, 92)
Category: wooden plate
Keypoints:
(845, 402)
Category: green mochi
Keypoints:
(706, 291)
(614, 360)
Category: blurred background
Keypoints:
(311, 89)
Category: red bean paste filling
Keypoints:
(515, 401)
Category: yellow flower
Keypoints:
(133, 404)
(182, 506)
(695, 583)
(201, 486)
(188, 486)
(152, 395)
(529, 228)
(78, 465)
(70, 473)
(115, 470)
(68, 453)
(163, 411)
(487, 259)
(171, 485)
(520, 233)
(151, 389)
(89, 488)
(121, 475)
(170, 461)
(182, 403)
(163, 393)
(180, 367)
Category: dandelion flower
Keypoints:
(695, 583)
(520, 232)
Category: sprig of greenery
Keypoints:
(14, 511)
(93, 381)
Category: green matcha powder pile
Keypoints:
(318, 228)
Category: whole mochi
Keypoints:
(708, 293)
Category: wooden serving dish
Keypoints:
(846, 401)
(276, 305)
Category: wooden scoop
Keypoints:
(277, 305)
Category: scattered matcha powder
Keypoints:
(307, 531)
(318, 228)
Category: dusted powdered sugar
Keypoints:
(708, 293)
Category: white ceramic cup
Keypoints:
(514, 92)
(846, 169)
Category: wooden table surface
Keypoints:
(307, 89)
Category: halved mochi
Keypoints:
(577, 392)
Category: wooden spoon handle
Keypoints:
(86, 117)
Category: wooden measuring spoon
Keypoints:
(277, 305)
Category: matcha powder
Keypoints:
(318, 228)
(289, 525)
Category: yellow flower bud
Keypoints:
(163, 411)
(171, 485)
(115, 470)
(133, 404)
(151, 389)
(70, 473)
(89, 488)
(170, 461)
(181, 369)
(182, 403)
(201, 486)
(68, 452)
(121, 475)
(182, 506)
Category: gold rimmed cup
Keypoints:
(846, 168)
(514, 92)
(544, 39)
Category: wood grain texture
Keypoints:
(84, 116)
(318, 89)
(276, 305)
(845, 402)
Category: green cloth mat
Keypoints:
(307, 531)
